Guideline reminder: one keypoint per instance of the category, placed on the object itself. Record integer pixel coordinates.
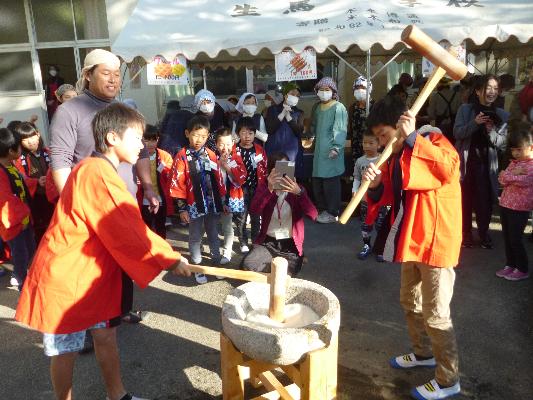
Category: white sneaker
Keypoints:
(225, 260)
(245, 249)
(410, 361)
(13, 281)
(200, 278)
(220, 277)
(129, 396)
(432, 391)
(326, 218)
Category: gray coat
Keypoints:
(465, 126)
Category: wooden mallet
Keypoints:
(278, 280)
(445, 63)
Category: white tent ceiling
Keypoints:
(191, 27)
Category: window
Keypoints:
(91, 19)
(222, 82)
(13, 22)
(16, 72)
(53, 20)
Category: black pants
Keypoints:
(477, 197)
(240, 218)
(156, 222)
(41, 213)
(327, 194)
(513, 225)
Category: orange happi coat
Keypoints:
(430, 231)
(97, 231)
(13, 210)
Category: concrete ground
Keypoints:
(174, 353)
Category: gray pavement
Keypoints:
(174, 353)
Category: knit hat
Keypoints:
(362, 81)
(95, 57)
(61, 90)
(328, 82)
(276, 96)
(202, 95)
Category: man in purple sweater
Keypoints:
(72, 138)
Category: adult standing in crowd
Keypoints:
(329, 123)
(205, 104)
(272, 98)
(480, 131)
(53, 82)
(525, 99)
(285, 125)
(173, 128)
(443, 106)
(247, 107)
(357, 115)
(72, 140)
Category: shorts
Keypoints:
(56, 344)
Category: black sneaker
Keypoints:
(467, 242)
(486, 243)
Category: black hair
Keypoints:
(276, 156)
(198, 122)
(151, 132)
(12, 126)
(507, 82)
(519, 138)
(26, 130)
(369, 133)
(9, 140)
(173, 105)
(116, 117)
(396, 90)
(221, 132)
(482, 82)
(387, 111)
(245, 123)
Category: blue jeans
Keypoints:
(197, 227)
(22, 250)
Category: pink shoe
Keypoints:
(502, 273)
(517, 275)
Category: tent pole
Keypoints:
(387, 63)
(517, 70)
(346, 62)
(368, 74)
(204, 76)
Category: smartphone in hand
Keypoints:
(284, 168)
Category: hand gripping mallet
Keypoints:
(445, 63)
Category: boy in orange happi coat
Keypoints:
(421, 182)
(75, 281)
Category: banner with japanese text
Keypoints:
(291, 66)
(163, 72)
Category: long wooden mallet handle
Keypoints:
(231, 273)
(445, 62)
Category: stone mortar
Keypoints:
(280, 346)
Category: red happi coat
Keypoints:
(181, 181)
(13, 210)
(234, 196)
(164, 167)
(261, 165)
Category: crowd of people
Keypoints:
(84, 218)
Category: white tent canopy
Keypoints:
(189, 27)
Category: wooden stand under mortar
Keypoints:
(314, 378)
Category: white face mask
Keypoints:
(249, 108)
(292, 100)
(267, 103)
(325, 96)
(359, 94)
(52, 72)
(207, 108)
